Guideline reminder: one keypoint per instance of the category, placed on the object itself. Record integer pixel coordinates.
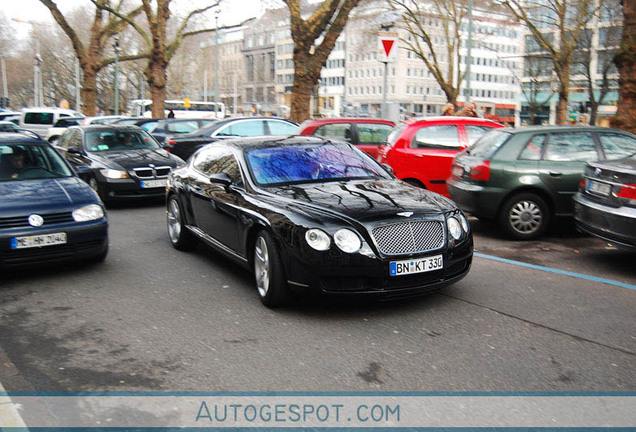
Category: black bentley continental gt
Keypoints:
(307, 213)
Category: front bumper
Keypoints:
(128, 188)
(355, 274)
(615, 225)
(83, 241)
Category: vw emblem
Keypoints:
(151, 165)
(405, 214)
(35, 220)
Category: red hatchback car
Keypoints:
(366, 133)
(421, 150)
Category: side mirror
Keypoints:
(387, 167)
(221, 178)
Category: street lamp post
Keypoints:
(116, 76)
(469, 58)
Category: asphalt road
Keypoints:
(153, 318)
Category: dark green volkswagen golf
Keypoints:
(524, 177)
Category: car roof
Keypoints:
(450, 119)
(106, 127)
(19, 138)
(348, 120)
(561, 128)
(248, 143)
(233, 119)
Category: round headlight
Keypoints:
(464, 222)
(454, 228)
(318, 239)
(114, 174)
(88, 213)
(347, 240)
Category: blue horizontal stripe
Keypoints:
(557, 271)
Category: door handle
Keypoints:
(555, 174)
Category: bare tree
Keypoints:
(556, 26)
(91, 53)
(160, 50)
(626, 62)
(436, 45)
(314, 39)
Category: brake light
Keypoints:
(582, 183)
(627, 191)
(480, 171)
(171, 142)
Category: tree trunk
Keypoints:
(301, 100)
(89, 91)
(562, 110)
(156, 76)
(626, 62)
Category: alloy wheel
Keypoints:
(174, 221)
(261, 266)
(525, 217)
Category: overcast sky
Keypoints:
(233, 11)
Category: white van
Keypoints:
(39, 120)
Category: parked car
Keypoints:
(161, 128)
(118, 161)
(366, 133)
(524, 177)
(7, 126)
(605, 205)
(317, 215)
(39, 120)
(60, 126)
(13, 118)
(5, 114)
(100, 119)
(185, 145)
(421, 150)
(47, 213)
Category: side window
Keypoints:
(617, 146)
(437, 137)
(341, 131)
(281, 128)
(473, 133)
(244, 128)
(148, 126)
(217, 160)
(577, 146)
(373, 134)
(38, 118)
(532, 150)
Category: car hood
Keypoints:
(136, 158)
(44, 195)
(366, 200)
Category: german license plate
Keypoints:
(599, 188)
(457, 171)
(38, 241)
(420, 265)
(149, 184)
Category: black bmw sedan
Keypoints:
(306, 213)
(118, 161)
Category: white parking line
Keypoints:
(9, 415)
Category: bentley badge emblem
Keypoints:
(35, 220)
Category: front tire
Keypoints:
(268, 269)
(92, 182)
(180, 237)
(525, 216)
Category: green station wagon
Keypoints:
(524, 177)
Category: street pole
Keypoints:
(205, 85)
(78, 98)
(469, 58)
(235, 108)
(116, 76)
(216, 65)
(385, 112)
(5, 88)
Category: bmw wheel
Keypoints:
(180, 237)
(268, 269)
(92, 182)
(525, 216)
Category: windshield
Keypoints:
(117, 140)
(32, 161)
(394, 134)
(488, 144)
(310, 163)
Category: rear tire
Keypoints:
(180, 237)
(525, 216)
(268, 270)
